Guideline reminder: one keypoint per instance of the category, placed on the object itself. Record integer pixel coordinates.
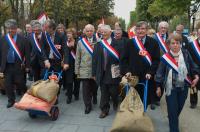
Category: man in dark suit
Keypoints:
(14, 52)
(55, 48)
(37, 54)
(196, 58)
(106, 69)
(179, 30)
(139, 64)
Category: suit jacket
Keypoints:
(137, 65)
(58, 40)
(23, 47)
(192, 52)
(104, 75)
(37, 58)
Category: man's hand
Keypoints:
(65, 67)
(158, 91)
(195, 81)
(94, 78)
(128, 74)
(1, 75)
(148, 76)
(47, 64)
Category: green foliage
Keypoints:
(5, 13)
(133, 18)
(123, 23)
(178, 20)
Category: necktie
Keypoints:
(105, 58)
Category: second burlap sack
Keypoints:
(130, 116)
(46, 90)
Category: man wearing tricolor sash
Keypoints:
(194, 49)
(15, 52)
(37, 53)
(55, 48)
(143, 56)
(162, 35)
(176, 73)
(106, 69)
(83, 67)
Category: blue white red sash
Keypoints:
(162, 43)
(36, 43)
(196, 48)
(13, 45)
(140, 47)
(87, 45)
(52, 46)
(170, 61)
(188, 80)
(72, 52)
(110, 49)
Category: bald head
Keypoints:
(179, 29)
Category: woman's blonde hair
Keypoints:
(176, 37)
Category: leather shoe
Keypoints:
(10, 104)
(3, 92)
(103, 114)
(193, 106)
(153, 107)
(94, 100)
(69, 100)
(157, 103)
(115, 106)
(88, 109)
(76, 98)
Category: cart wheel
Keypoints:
(54, 113)
(32, 116)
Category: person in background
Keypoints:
(193, 50)
(70, 81)
(174, 79)
(143, 60)
(12, 60)
(83, 67)
(106, 69)
(151, 32)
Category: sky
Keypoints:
(122, 8)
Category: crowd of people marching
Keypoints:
(169, 61)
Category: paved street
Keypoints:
(73, 119)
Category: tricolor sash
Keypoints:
(72, 52)
(162, 43)
(110, 49)
(141, 47)
(87, 45)
(52, 46)
(36, 43)
(196, 48)
(13, 45)
(188, 80)
(170, 61)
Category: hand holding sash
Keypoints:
(195, 81)
(65, 67)
(47, 64)
(158, 92)
(148, 76)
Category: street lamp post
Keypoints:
(193, 21)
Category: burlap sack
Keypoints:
(45, 90)
(131, 117)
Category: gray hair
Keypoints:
(52, 24)
(163, 23)
(106, 27)
(11, 23)
(140, 23)
(89, 26)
